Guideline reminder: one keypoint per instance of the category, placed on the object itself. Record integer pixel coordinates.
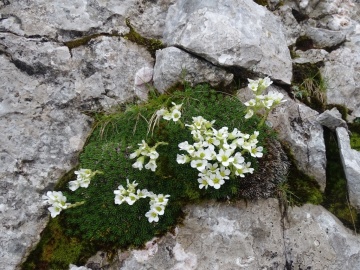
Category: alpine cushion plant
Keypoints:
(204, 159)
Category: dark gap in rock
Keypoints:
(333, 48)
(299, 17)
(304, 43)
(309, 86)
(336, 193)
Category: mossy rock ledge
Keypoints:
(100, 224)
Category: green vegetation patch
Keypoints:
(100, 224)
(300, 188)
(309, 86)
(355, 134)
(56, 250)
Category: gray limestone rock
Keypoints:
(331, 119)
(324, 38)
(230, 33)
(67, 20)
(217, 236)
(315, 239)
(44, 90)
(341, 74)
(252, 236)
(303, 135)
(291, 28)
(311, 56)
(350, 159)
(338, 11)
(174, 65)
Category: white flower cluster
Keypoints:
(173, 114)
(83, 179)
(218, 153)
(57, 201)
(145, 151)
(131, 195)
(268, 102)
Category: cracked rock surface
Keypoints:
(44, 91)
(47, 90)
(248, 236)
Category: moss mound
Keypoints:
(100, 224)
(105, 224)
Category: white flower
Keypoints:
(238, 159)
(212, 140)
(256, 152)
(212, 167)
(199, 164)
(151, 165)
(159, 199)
(161, 112)
(203, 183)
(234, 134)
(267, 103)
(152, 154)
(57, 201)
(84, 174)
(248, 169)
(250, 103)
(131, 198)
(182, 159)
(167, 115)
(265, 83)
(225, 157)
(139, 164)
(224, 172)
(158, 208)
(74, 185)
(249, 114)
(187, 147)
(276, 97)
(239, 142)
(119, 197)
(240, 170)
(152, 216)
(85, 183)
(203, 154)
(221, 134)
(142, 193)
(175, 115)
(55, 210)
(52, 197)
(253, 85)
(216, 180)
(135, 154)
